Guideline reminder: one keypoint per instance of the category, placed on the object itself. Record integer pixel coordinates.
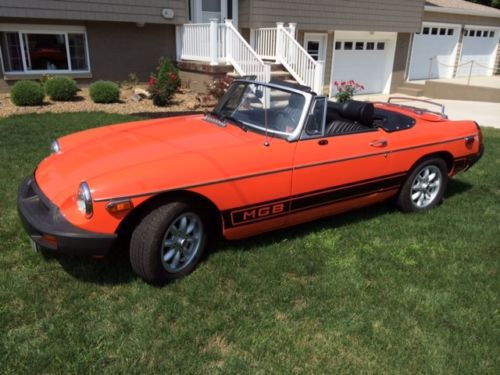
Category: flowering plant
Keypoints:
(164, 83)
(218, 87)
(346, 90)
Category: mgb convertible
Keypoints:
(269, 156)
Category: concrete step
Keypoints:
(280, 75)
(413, 85)
(277, 67)
(410, 91)
(277, 75)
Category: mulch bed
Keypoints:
(184, 101)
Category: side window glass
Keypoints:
(315, 126)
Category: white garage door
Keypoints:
(479, 46)
(367, 61)
(434, 51)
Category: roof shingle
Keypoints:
(461, 4)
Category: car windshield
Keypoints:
(262, 108)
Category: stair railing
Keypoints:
(243, 57)
(298, 62)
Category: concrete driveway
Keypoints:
(485, 113)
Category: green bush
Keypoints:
(164, 83)
(61, 88)
(27, 93)
(104, 92)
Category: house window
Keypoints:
(450, 32)
(434, 31)
(442, 31)
(360, 46)
(492, 34)
(426, 31)
(485, 33)
(380, 46)
(338, 45)
(44, 51)
(370, 46)
(472, 33)
(348, 45)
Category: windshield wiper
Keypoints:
(232, 119)
(215, 118)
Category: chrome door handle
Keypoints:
(379, 143)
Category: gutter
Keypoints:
(481, 13)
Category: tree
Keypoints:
(490, 3)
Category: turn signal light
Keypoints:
(119, 206)
(51, 240)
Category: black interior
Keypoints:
(349, 117)
(356, 117)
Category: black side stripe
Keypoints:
(277, 208)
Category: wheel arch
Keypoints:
(132, 219)
(445, 155)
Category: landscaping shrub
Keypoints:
(27, 93)
(61, 88)
(104, 92)
(164, 83)
(218, 87)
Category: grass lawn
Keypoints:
(369, 291)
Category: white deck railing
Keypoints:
(263, 40)
(222, 43)
(298, 62)
(242, 56)
(203, 42)
(195, 42)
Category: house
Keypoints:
(88, 40)
(457, 38)
(380, 44)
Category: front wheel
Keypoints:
(168, 243)
(424, 188)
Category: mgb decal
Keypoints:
(259, 212)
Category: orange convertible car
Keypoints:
(270, 155)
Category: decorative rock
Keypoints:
(136, 98)
(142, 93)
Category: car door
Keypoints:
(337, 173)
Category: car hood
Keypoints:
(154, 155)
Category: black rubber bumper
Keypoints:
(41, 217)
(474, 159)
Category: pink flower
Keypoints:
(343, 83)
(336, 83)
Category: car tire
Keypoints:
(168, 242)
(424, 187)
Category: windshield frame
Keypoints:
(295, 135)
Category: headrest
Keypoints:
(296, 101)
(354, 110)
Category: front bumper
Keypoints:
(48, 228)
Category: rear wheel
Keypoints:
(169, 242)
(424, 188)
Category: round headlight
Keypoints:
(55, 147)
(84, 200)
